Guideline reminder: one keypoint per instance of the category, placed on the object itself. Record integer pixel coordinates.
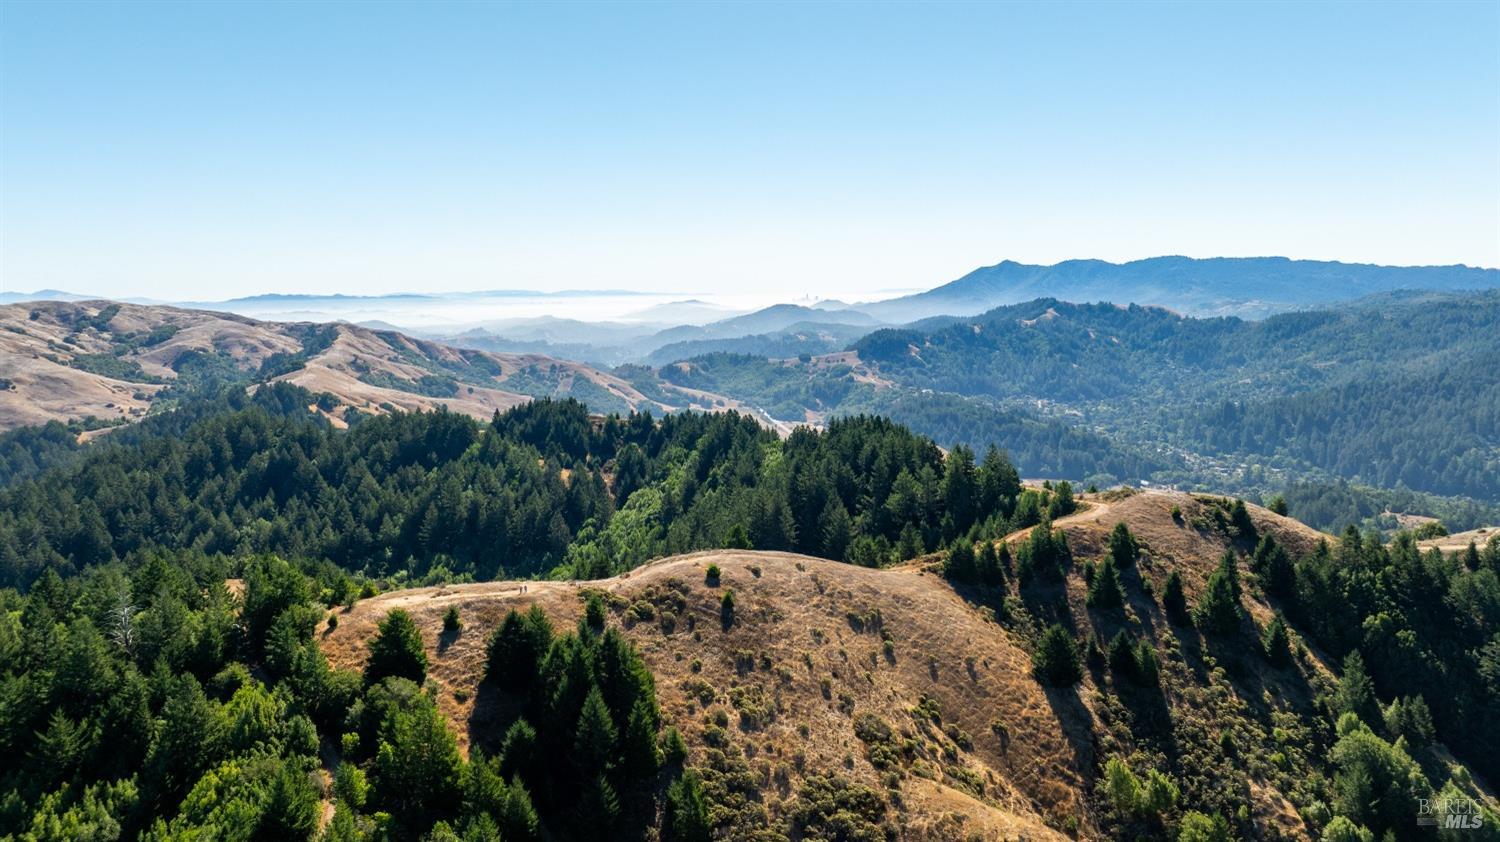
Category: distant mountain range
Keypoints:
(1250, 287)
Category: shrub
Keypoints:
(726, 609)
(451, 622)
(712, 575)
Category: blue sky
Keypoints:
(212, 149)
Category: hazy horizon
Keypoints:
(206, 152)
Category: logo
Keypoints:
(1449, 813)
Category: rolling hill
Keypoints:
(112, 363)
(825, 668)
(1251, 287)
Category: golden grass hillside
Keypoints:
(821, 655)
(67, 361)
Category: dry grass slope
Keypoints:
(66, 361)
(805, 659)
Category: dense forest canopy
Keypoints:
(1396, 392)
(544, 489)
(150, 699)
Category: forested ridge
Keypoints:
(1395, 392)
(160, 670)
(543, 489)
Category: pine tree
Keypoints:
(1122, 656)
(1275, 643)
(960, 564)
(1173, 600)
(1218, 610)
(1122, 546)
(1105, 591)
(291, 808)
(674, 749)
(1148, 669)
(987, 564)
(640, 756)
(1056, 659)
(517, 647)
(396, 650)
(1410, 719)
(686, 817)
(597, 812)
(999, 484)
(738, 538)
(1240, 517)
(1062, 501)
(595, 737)
(960, 488)
(837, 529)
(1356, 693)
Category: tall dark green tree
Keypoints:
(396, 650)
(1056, 660)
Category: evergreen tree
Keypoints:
(960, 488)
(597, 813)
(1173, 600)
(987, 564)
(595, 738)
(686, 816)
(1275, 642)
(640, 756)
(738, 538)
(1356, 692)
(999, 484)
(291, 810)
(517, 647)
(836, 528)
(1239, 516)
(1274, 566)
(1105, 591)
(1056, 659)
(396, 650)
(1062, 502)
(1409, 719)
(1218, 610)
(1122, 546)
(960, 566)
(1148, 669)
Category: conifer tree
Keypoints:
(1275, 643)
(1056, 659)
(1356, 692)
(1122, 546)
(1173, 600)
(1218, 610)
(960, 566)
(594, 739)
(1105, 591)
(686, 816)
(396, 650)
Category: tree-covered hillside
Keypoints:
(1402, 394)
(542, 489)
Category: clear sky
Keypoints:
(205, 150)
